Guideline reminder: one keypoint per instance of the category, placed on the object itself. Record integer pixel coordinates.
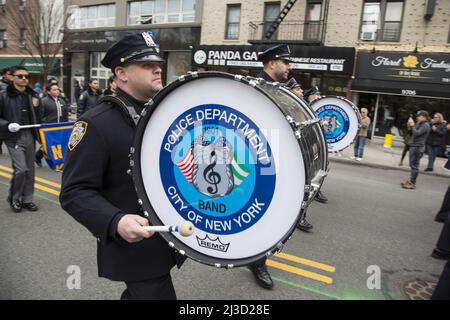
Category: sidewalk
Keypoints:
(377, 157)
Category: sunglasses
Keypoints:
(22, 76)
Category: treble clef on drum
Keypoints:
(211, 176)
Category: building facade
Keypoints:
(96, 24)
(399, 50)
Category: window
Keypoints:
(94, 16)
(381, 20)
(2, 39)
(233, 21)
(162, 11)
(2, 6)
(313, 20)
(271, 12)
(98, 71)
(22, 40)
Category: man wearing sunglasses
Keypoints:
(19, 105)
(96, 188)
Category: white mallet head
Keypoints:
(186, 228)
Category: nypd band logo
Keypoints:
(335, 122)
(217, 171)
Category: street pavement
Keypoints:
(369, 223)
(377, 156)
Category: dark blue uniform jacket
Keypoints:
(97, 191)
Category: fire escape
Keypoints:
(276, 23)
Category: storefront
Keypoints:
(394, 86)
(33, 65)
(85, 51)
(330, 68)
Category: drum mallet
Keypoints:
(185, 229)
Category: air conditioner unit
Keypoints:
(368, 36)
(2, 44)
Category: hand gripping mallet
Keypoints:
(186, 228)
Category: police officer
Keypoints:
(96, 188)
(276, 61)
(311, 95)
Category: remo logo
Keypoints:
(211, 162)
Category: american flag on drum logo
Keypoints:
(186, 166)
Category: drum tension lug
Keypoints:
(131, 150)
(298, 135)
(304, 204)
(280, 246)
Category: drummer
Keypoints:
(98, 191)
(311, 95)
(277, 65)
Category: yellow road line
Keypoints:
(36, 185)
(42, 180)
(305, 262)
(298, 271)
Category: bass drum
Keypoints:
(341, 121)
(235, 156)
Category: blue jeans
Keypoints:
(359, 146)
(415, 153)
(433, 151)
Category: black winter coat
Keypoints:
(15, 107)
(438, 137)
(50, 112)
(97, 192)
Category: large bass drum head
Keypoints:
(217, 152)
(341, 121)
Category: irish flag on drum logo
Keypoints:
(186, 166)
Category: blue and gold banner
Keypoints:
(54, 139)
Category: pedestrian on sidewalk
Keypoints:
(436, 139)
(362, 135)
(406, 140)
(419, 133)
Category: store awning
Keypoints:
(34, 66)
(404, 88)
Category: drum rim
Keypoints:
(143, 199)
(354, 107)
(325, 159)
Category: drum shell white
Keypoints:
(191, 92)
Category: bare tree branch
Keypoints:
(39, 26)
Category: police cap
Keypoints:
(280, 51)
(311, 91)
(133, 47)
(292, 84)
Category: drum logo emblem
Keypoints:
(335, 122)
(217, 170)
(212, 167)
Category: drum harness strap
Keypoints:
(125, 107)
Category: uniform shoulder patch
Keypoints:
(78, 131)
